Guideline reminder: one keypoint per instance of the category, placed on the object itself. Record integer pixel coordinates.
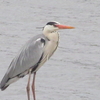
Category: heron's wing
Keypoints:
(27, 58)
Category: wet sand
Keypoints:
(73, 72)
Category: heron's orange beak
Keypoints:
(64, 26)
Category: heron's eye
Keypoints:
(55, 25)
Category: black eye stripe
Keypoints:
(51, 23)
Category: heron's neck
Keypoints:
(53, 36)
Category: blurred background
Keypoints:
(73, 72)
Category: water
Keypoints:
(73, 72)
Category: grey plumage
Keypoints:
(28, 58)
(33, 55)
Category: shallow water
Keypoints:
(73, 72)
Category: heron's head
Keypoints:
(51, 27)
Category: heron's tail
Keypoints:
(6, 81)
(3, 84)
(3, 88)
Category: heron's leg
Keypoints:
(28, 85)
(33, 86)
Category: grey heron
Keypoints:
(33, 55)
